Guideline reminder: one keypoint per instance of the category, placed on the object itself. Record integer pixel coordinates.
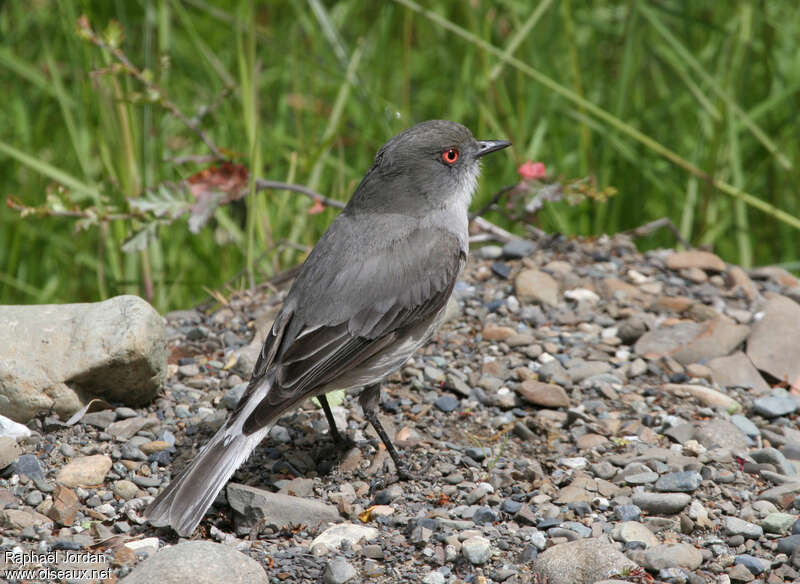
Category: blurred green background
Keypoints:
(307, 91)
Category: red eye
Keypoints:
(450, 156)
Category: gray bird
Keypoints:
(372, 291)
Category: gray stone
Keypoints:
(755, 565)
(779, 523)
(63, 355)
(772, 346)
(719, 433)
(477, 550)
(744, 424)
(581, 369)
(232, 396)
(661, 503)
(693, 342)
(338, 571)
(682, 482)
(775, 405)
(736, 526)
(628, 531)
(775, 457)
(782, 495)
(99, 419)
(583, 560)
(673, 555)
(518, 248)
(737, 370)
(205, 561)
(277, 509)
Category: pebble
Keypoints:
(338, 571)
(476, 550)
(447, 403)
(736, 526)
(684, 481)
(661, 503)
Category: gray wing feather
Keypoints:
(357, 299)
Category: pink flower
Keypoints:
(532, 170)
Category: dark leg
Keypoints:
(369, 400)
(339, 440)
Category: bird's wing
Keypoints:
(349, 302)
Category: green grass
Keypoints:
(686, 108)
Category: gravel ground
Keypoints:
(586, 413)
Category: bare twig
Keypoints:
(492, 201)
(498, 232)
(648, 228)
(86, 30)
(263, 184)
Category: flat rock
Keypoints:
(583, 560)
(719, 433)
(691, 342)
(58, 356)
(536, 286)
(778, 403)
(772, 345)
(705, 395)
(22, 518)
(672, 555)
(628, 531)
(737, 370)
(546, 395)
(84, 471)
(333, 537)
(207, 563)
(661, 503)
(736, 526)
(695, 258)
(278, 509)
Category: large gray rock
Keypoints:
(278, 509)
(200, 562)
(59, 356)
(581, 561)
(772, 345)
(693, 342)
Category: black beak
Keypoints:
(487, 146)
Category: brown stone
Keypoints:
(84, 471)
(493, 332)
(154, 446)
(671, 303)
(536, 286)
(22, 518)
(777, 275)
(695, 258)
(773, 344)
(65, 506)
(542, 394)
(737, 279)
(612, 287)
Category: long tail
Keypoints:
(186, 499)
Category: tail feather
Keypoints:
(189, 495)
